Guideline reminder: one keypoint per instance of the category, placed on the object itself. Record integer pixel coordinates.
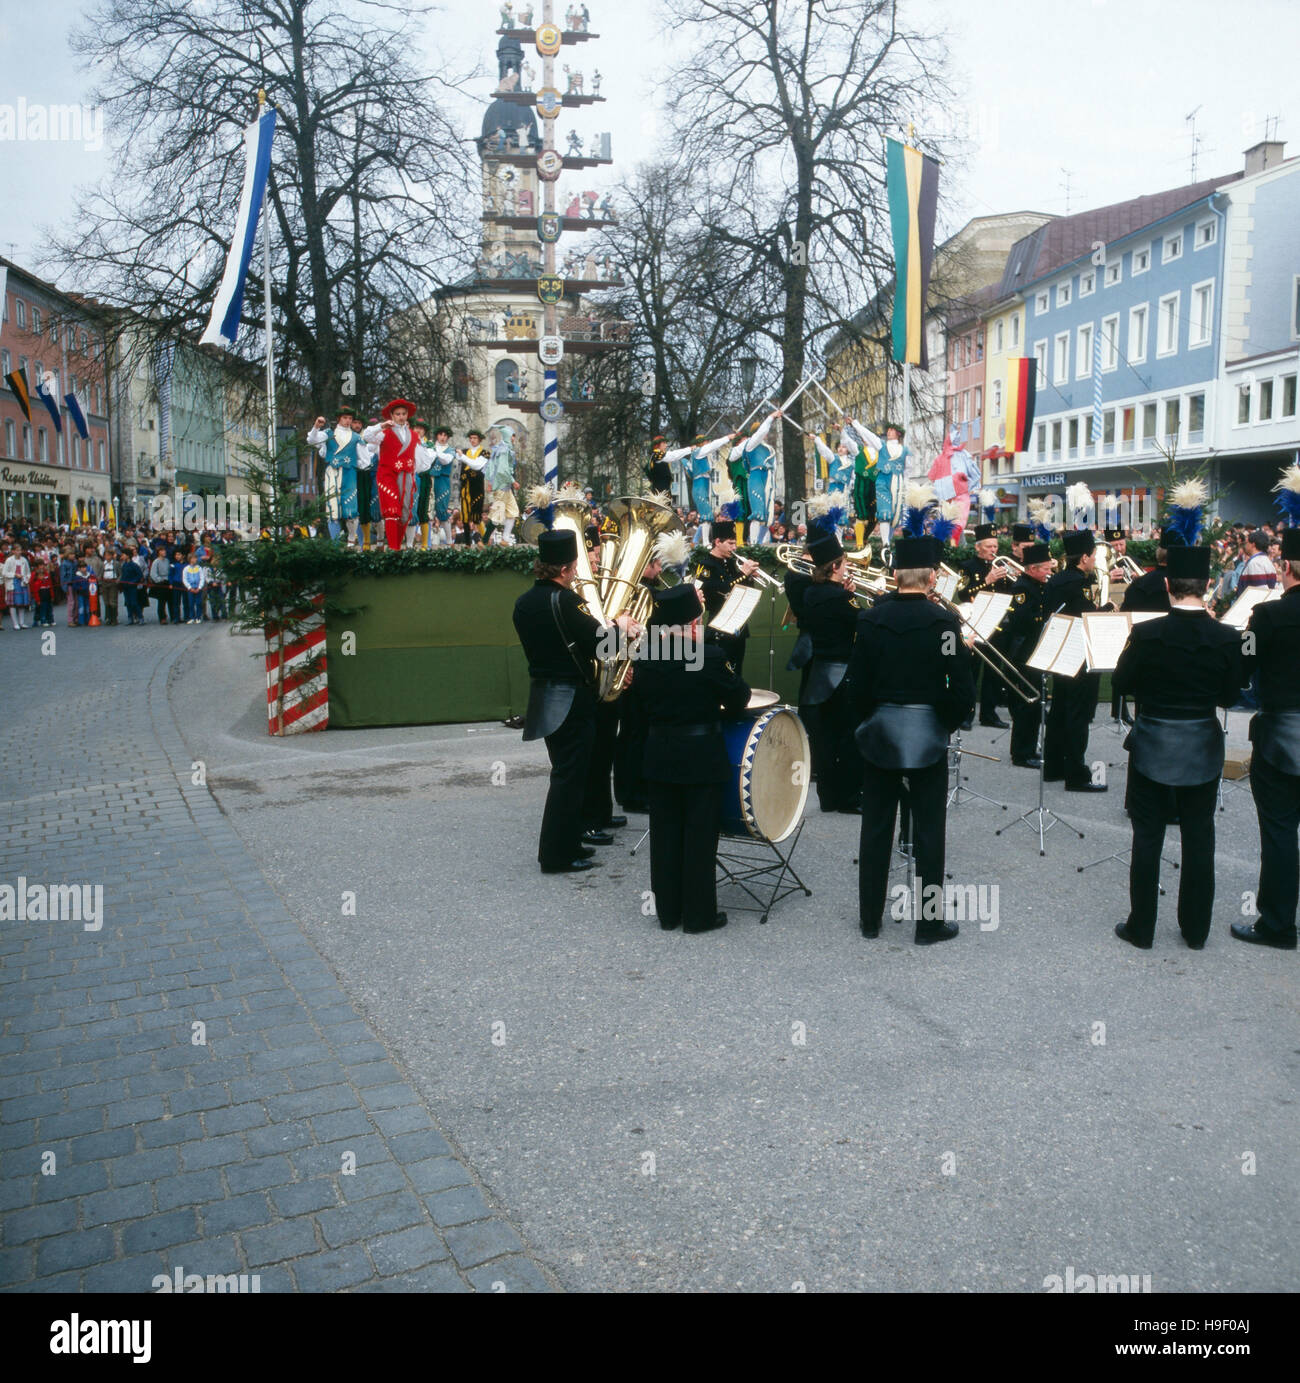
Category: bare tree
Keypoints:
(790, 102)
(365, 165)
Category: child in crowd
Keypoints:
(43, 594)
(192, 588)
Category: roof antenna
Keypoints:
(1066, 185)
(1196, 139)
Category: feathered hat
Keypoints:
(1040, 516)
(730, 512)
(989, 505)
(917, 501)
(1186, 510)
(1078, 499)
(542, 498)
(673, 550)
(824, 515)
(1288, 495)
(946, 522)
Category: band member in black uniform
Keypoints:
(1074, 699)
(910, 680)
(598, 818)
(1024, 628)
(561, 641)
(1275, 757)
(1178, 670)
(1022, 534)
(658, 471)
(688, 686)
(797, 584)
(830, 618)
(633, 722)
(1149, 592)
(975, 573)
(717, 573)
(1117, 540)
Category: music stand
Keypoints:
(1226, 788)
(1041, 817)
(958, 792)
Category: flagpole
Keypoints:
(266, 298)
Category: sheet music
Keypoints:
(1049, 643)
(736, 609)
(985, 613)
(947, 584)
(1141, 616)
(1074, 651)
(1105, 636)
(1238, 616)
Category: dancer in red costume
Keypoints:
(394, 443)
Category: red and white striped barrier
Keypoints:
(300, 673)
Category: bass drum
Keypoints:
(771, 762)
(760, 702)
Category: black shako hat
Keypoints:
(823, 549)
(1171, 538)
(678, 605)
(1291, 544)
(984, 531)
(557, 548)
(724, 530)
(1079, 544)
(1188, 564)
(1115, 535)
(1022, 533)
(1035, 553)
(912, 554)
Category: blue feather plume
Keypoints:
(831, 521)
(730, 510)
(1288, 494)
(1187, 505)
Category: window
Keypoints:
(1110, 342)
(36, 321)
(1056, 441)
(99, 400)
(1288, 396)
(5, 365)
(27, 443)
(979, 402)
(42, 446)
(956, 355)
(1074, 436)
(507, 381)
(1148, 421)
(1265, 401)
(1114, 273)
(1041, 446)
(997, 337)
(1040, 357)
(85, 341)
(1137, 334)
(1202, 310)
(54, 330)
(979, 344)
(1130, 428)
(1141, 261)
(1061, 358)
(968, 346)
(10, 438)
(75, 448)
(1207, 232)
(1015, 326)
(1172, 412)
(1108, 430)
(1040, 304)
(1087, 284)
(1062, 295)
(460, 382)
(1243, 404)
(1196, 419)
(1083, 360)
(1089, 436)
(1173, 248)
(20, 312)
(1167, 338)
(101, 456)
(997, 398)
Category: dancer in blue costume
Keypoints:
(344, 454)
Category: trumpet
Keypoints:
(997, 662)
(869, 585)
(1002, 568)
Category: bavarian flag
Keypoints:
(912, 182)
(1022, 394)
(17, 381)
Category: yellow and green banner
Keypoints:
(912, 182)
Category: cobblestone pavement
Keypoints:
(189, 1086)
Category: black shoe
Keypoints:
(1027, 763)
(1088, 786)
(1122, 931)
(615, 823)
(668, 926)
(1261, 936)
(868, 930)
(931, 936)
(994, 723)
(968, 724)
(719, 921)
(585, 852)
(597, 838)
(1194, 945)
(514, 723)
(849, 811)
(1125, 718)
(1050, 777)
(573, 867)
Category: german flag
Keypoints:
(912, 182)
(17, 381)
(1022, 394)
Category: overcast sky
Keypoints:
(1097, 87)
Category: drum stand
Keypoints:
(743, 862)
(1041, 818)
(959, 792)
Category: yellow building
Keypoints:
(1004, 339)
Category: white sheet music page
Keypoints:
(1049, 643)
(1074, 651)
(1106, 636)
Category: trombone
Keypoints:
(997, 662)
(869, 584)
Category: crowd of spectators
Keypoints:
(107, 577)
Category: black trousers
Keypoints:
(1025, 720)
(598, 796)
(629, 753)
(1152, 806)
(1065, 746)
(570, 753)
(836, 763)
(684, 828)
(993, 690)
(1277, 801)
(928, 791)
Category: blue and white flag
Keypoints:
(223, 326)
(77, 414)
(46, 396)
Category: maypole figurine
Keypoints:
(500, 479)
(444, 463)
(891, 479)
(696, 463)
(395, 470)
(760, 462)
(344, 454)
(473, 462)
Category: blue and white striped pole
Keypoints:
(551, 435)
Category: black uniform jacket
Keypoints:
(797, 586)
(717, 575)
(1180, 667)
(1276, 657)
(830, 616)
(548, 658)
(679, 697)
(901, 657)
(1147, 593)
(1068, 593)
(1024, 623)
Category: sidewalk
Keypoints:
(190, 1087)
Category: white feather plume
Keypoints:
(1191, 494)
(1290, 480)
(672, 549)
(988, 498)
(570, 492)
(1078, 497)
(919, 495)
(541, 496)
(819, 505)
(951, 511)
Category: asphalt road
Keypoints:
(788, 1104)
